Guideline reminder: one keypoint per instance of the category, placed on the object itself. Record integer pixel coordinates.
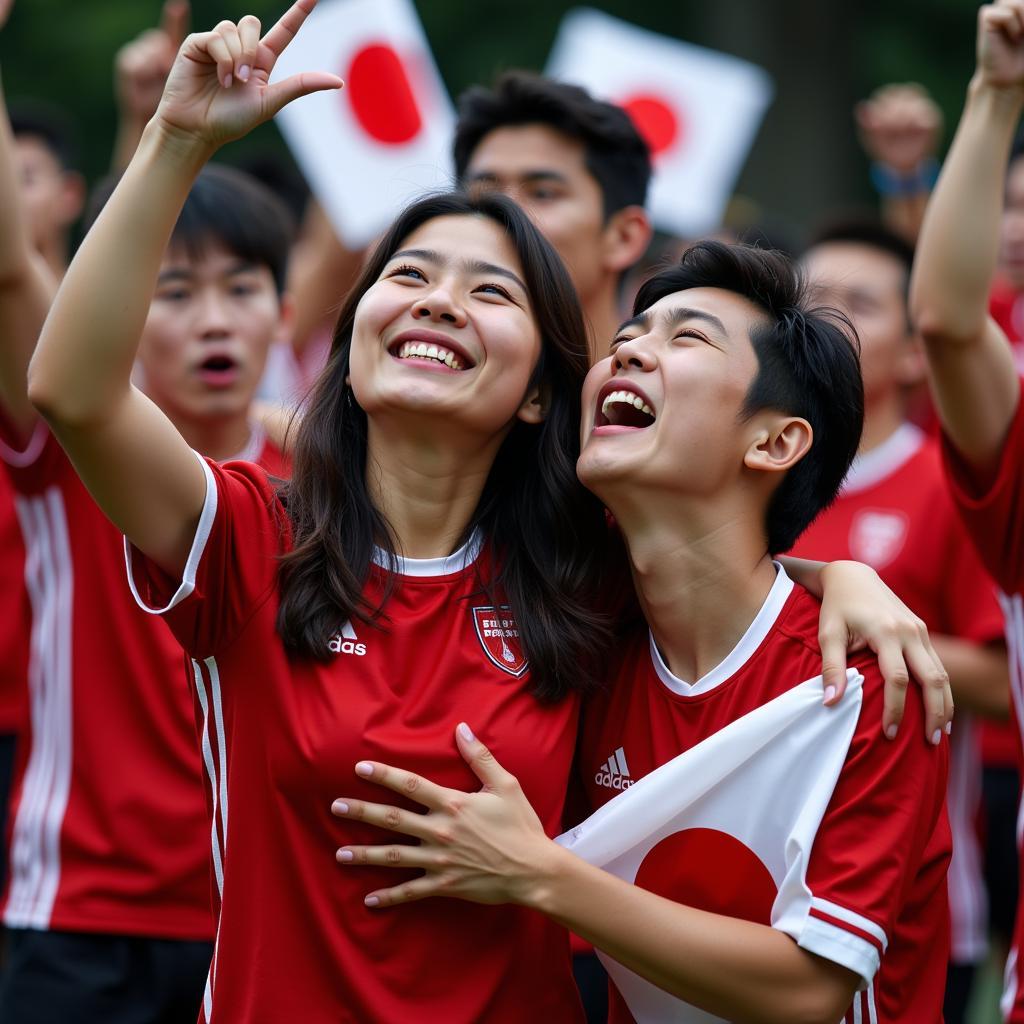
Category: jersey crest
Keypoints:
(498, 634)
(876, 537)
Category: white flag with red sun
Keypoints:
(386, 137)
(698, 109)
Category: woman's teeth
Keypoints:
(421, 350)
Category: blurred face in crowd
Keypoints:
(869, 286)
(1011, 241)
(545, 172)
(52, 197)
(210, 324)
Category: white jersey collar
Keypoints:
(741, 653)
(892, 454)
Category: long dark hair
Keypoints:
(546, 534)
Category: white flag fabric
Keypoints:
(384, 139)
(698, 109)
(763, 782)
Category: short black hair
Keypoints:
(229, 207)
(865, 230)
(808, 366)
(34, 119)
(616, 154)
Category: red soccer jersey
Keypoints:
(872, 888)
(14, 615)
(895, 513)
(994, 515)
(110, 827)
(281, 737)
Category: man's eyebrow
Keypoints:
(472, 266)
(174, 274)
(640, 320)
(677, 316)
(539, 174)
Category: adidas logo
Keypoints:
(614, 774)
(345, 642)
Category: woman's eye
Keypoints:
(408, 272)
(691, 334)
(494, 289)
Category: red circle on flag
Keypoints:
(660, 125)
(381, 96)
(710, 870)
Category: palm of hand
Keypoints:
(196, 103)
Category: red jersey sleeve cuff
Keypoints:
(842, 936)
(163, 592)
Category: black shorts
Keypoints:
(54, 977)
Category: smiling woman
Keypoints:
(432, 557)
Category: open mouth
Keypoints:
(219, 370)
(622, 408)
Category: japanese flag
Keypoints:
(699, 110)
(384, 139)
(739, 813)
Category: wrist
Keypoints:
(1001, 101)
(177, 148)
(553, 868)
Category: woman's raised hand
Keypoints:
(219, 87)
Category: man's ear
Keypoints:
(626, 237)
(779, 444)
(534, 407)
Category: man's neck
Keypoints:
(881, 420)
(603, 316)
(55, 253)
(219, 439)
(701, 576)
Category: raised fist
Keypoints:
(141, 66)
(1001, 44)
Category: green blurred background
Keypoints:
(822, 54)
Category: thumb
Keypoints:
(280, 94)
(479, 758)
(833, 665)
(174, 20)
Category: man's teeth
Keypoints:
(421, 350)
(626, 398)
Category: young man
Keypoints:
(974, 381)
(108, 904)
(577, 165)
(789, 860)
(895, 513)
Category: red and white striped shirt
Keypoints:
(110, 829)
(742, 795)
(993, 511)
(895, 513)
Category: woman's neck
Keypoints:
(427, 487)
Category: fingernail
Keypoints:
(936, 737)
(345, 855)
(890, 732)
(372, 901)
(339, 807)
(243, 73)
(949, 728)
(226, 81)
(364, 768)
(830, 692)
(465, 732)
